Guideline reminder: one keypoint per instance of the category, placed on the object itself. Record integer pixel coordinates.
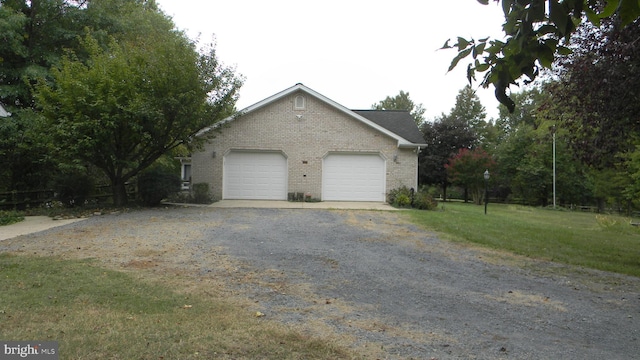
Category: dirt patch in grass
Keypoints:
(141, 264)
(520, 298)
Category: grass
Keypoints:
(8, 217)
(603, 242)
(95, 313)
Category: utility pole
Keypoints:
(554, 165)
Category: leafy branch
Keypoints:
(536, 32)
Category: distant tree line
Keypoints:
(590, 103)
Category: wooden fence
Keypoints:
(21, 200)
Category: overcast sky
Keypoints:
(351, 51)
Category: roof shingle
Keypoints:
(398, 121)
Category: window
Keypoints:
(186, 176)
(299, 102)
(186, 172)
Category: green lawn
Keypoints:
(604, 242)
(95, 313)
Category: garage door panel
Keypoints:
(353, 177)
(255, 175)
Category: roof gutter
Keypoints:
(409, 145)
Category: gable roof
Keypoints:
(389, 130)
(399, 121)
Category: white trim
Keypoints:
(185, 181)
(355, 152)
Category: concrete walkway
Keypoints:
(277, 204)
(31, 224)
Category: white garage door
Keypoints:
(255, 175)
(353, 177)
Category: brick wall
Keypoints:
(305, 137)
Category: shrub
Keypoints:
(424, 201)
(403, 200)
(157, 184)
(392, 196)
(10, 217)
(73, 189)
(402, 197)
(434, 191)
(202, 194)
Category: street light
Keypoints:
(486, 191)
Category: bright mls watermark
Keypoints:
(31, 350)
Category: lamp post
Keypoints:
(486, 191)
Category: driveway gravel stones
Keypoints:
(372, 279)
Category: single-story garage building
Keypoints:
(299, 141)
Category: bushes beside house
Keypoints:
(403, 197)
(156, 184)
(199, 193)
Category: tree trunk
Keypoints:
(477, 195)
(444, 192)
(601, 204)
(119, 191)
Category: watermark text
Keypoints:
(31, 350)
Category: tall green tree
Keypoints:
(402, 101)
(631, 192)
(526, 165)
(34, 35)
(536, 32)
(469, 109)
(597, 100)
(25, 158)
(525, 156)
(135, 99)
(528, 102)
(597, 97)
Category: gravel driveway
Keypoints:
(373, 279)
